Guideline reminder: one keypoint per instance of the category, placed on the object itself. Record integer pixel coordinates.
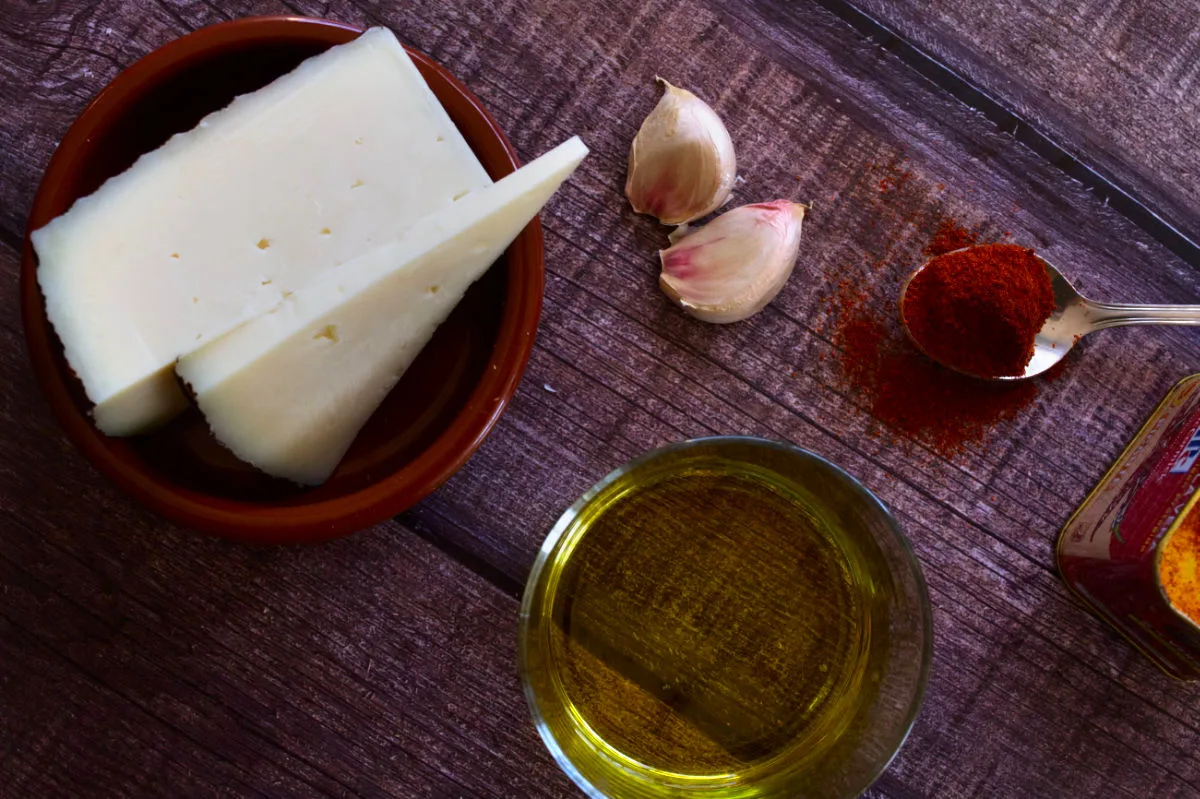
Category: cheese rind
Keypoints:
(288, 391)
(329, 161)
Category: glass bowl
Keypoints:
(725, 617)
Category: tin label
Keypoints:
(1107, 551)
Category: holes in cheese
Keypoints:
(275, 392)
(274, 162)
(329, 333)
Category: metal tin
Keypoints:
(1108, 553)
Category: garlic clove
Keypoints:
(732, 267)
(681, 163)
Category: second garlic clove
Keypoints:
(681, 163)
(732, 267)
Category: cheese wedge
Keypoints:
(213, 228)
(288, 391)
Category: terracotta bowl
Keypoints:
(429, 425)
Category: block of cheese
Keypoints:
(289, 390)
(327, 162)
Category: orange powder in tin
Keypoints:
(1179, 568)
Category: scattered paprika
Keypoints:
(912, 395)
(978, 310)
(948, 237)
(915, 400)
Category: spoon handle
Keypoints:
(1101, 315)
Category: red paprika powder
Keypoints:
(948, 237)
(979, 310)
(911, 394)
(913, 398)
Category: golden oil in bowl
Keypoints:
(725, 617)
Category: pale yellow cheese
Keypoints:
(345, 153)
(289, 390)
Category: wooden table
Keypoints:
(141, 659)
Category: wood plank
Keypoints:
(140, 659)
(1114, 80)
(165, 631)
(603, 324)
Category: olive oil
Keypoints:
(705, 625)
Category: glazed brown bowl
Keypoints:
(430, 424)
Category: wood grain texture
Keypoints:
(139, 659)
(1117, 81)
(146, 660)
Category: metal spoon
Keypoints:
(1073, 318)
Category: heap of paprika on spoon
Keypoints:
(999, 311)
(978, 310)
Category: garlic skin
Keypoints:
(681, 163)
(732, 267)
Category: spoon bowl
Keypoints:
(1073, 317)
